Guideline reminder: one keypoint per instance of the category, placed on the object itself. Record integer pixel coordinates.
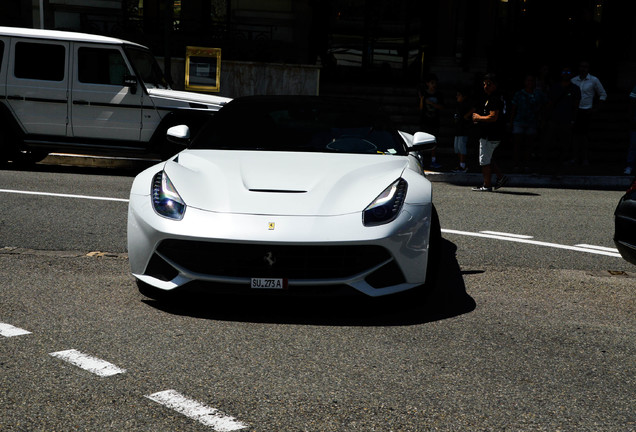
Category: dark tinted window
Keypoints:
(101, 66)
(146, 67)
(302, 124)
(1, 52)
(39, 61)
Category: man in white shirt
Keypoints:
(591, 88)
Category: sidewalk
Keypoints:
(575, 177)
(125, 163)
(606, 174)
(569, 181)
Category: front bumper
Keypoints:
(230, 249)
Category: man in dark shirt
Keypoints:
(489, 118)
(563, 104)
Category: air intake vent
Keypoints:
(277, 191)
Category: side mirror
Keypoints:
(180, 132)
(130, 81)
(422, 141)
(179, 135)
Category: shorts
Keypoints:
(524, 129)
(486, 149)
(461, 144)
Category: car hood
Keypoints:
(282, 183)
(174, 98)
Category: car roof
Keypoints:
(61, 36)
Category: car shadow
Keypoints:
(507, 192)
(448, 299)
(130, 170)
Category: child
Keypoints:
(462, 122)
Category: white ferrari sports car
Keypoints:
(291, 194)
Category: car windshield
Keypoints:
(146, 68)
(301, 124)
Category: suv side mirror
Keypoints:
(131, 82)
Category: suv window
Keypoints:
(39, 61)
(101, 66)
(1, 52)
(146, 68)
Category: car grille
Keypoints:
(287, 261)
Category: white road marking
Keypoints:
(89, 363)
(50, 194)
(7, 330)
(600, 248)
(612, 253)
(197, 411)
(518, 236)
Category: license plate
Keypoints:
(268, 283)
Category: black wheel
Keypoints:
(10, 150)
(7, 146)
(29, 157)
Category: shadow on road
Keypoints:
(507, 192)
(120, 171)
(449, 299)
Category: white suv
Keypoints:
(65, 91)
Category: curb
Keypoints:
(97, 161)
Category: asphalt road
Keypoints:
(523, 334)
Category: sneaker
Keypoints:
(460, 170)
(436, 165)
(501, 182)
(628, 171)
(482, 189)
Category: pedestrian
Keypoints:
(431, 104)
(527, 105)
(462, 121)
(591, 88)
(561, 110)
(490, 120)
(544, 81)
(631, 152)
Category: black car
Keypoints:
(625, 224)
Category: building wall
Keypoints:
(458, 38)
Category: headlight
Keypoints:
(165, 198)
(386, 206)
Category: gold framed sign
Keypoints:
(203, 69)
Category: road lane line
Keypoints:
(88, 363)
(600, 248)
(518, 236)
(7, 330)
(534, 242)
(197, 411)
(58, 195)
